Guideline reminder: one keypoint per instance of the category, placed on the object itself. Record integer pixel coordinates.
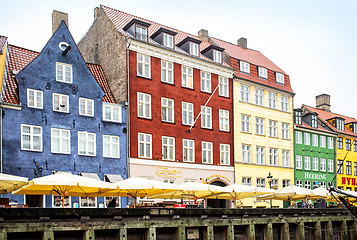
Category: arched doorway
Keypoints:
(217, 203)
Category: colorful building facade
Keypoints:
(3, 48)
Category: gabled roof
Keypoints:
(3, 41)
(18, 58)
(324, 115)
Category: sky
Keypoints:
(314, 42)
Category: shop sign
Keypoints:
(349, 181)
(166, 172)
(315, 176)
(219, 176)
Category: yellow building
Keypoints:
(3, 47)
(346, 142)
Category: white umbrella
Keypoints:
(288, 193)
(321, 192)
(9, 183)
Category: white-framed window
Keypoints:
(31, 138)
(286, 183)
(167, 69)
(207, 152)
(107, 200)
(224, 120)
(246, 153)
(194, 50)
(308, 184)
(348, 168)
(298, 162)
(355, 168)
(274, 156)
(187, 77)
(261, 182)
(299, 183)
(330, 166)
(60, 102)
(314, 121)
(263, 72)
(143, 66)
(247, 181)
(224, 150)
(167, 110)
(205, 82)
(307, 163)
(280, 78)
(245, 119)
(315, 164)
(88, 202)
(144, 145)
(223, 86)
(340, 124)
(141, 32)
(315, 140)
(144, 105)
(355, 145)
(274, 184)
(298, 137)
(60, 141)
(168, 40)
(86, 143)
(259, 97)
(323, 164)
(57, 201)
(64, 73)
(273, 128)
(244, 67)
(323, 184)
(307, 139)
(188, 146)
(284, 104)
(86, 107)
(261, 155)
(259, 126)
(111, 112)
(244, 93)
(34, 98)
(272, 100)
(168, 148)
(298, 117)
(339, 143)
(187, 113)
(285, 131)
(217, 56)
(286, 158)
(330, 142)
(322, 141)
(111, 146)
(206, 117)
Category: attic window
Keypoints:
(141, 33)
(244, 67)
(354, 128)
(138, 29)
(297, 116)
(168, 40)
(194, 49)
(280, 78)
(217, 56)
(263, 72)
(314, 121)
(340, 124)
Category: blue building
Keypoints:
(58, 114)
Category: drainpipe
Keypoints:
(128, 41)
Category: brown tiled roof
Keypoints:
(3, 41)
(19, 58)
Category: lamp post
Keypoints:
(269, 177)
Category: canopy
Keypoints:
(288, 193)
(321, 192)
(236, 191)
(9, 183)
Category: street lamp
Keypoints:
(269, 177)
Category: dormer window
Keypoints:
(354, 128)
(280, 78)
(214, 53)
(298, 117)
(194, 49)
(314, 121)
(217, 56)
(141, 33)
(263, 72)
(164, 37)
(244, 67)
(190, 45)
(168, 41)
(138, 29)
(340, 124)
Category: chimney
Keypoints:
(96, 10)
(242, 42)
(57, 18)
(203, 34)
(323, 102)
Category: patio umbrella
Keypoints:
(9, 183)
(288, 193)
(65, 184)
(321, 192)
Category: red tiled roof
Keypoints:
(121, 19)
(324, 115)
(19, 58)
(319, 128)
(3, 41)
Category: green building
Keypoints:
(314, 145)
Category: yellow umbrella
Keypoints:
(321, 192)
(289, 193)
(9, 183)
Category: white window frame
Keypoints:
(224, 150)
(322, 141)
(299, 183)
(167, 110)
(260, 155)
(167, 72)
(262, 72)
(141, 32)
(61, 140)
(143, 65)
(285, 103)
(259, 126)
(330, 166)
(144, 105)
(112, 145)
(168, 40)
(35, 102)
(206, 82)
(87, 142)
(244, 67)
(307, 140)
(245, 123)
(323, 164)
(217, 56)
(273, 156)
(314, 121)
(286, 183)
(315, 140)
(206, 117)
(145, 144)
(187, 77)
(247, 181)
(246, 153)
(286, 158)
(62, 67)
(88, 104)
(62, 100)
(285, 130)
(31, 135)
(261, 182)
(223, 89)
(280, 78)
(308, 184)
(298, 162)
(67, 201)
(87, 199)
(112, 112)
(298, 137)
(194, 49)
(307, 163)
(272, 100)
(259, 97)
(207, 152)
(168, 148)
(187, 113)
(188, 148)
(273, 128)
(244, 93)
(315, 164)
(223, 120)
